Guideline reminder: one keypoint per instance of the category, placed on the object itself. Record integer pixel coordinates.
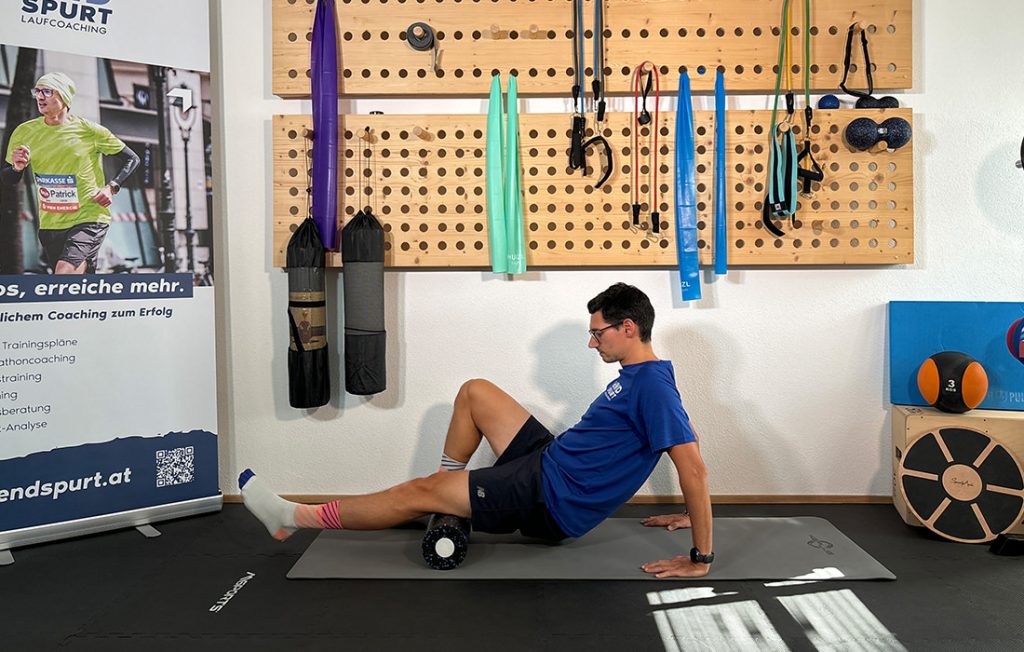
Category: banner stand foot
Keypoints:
(6, 558)
(148, 531)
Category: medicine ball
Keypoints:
(952, 382)
(1015, 339)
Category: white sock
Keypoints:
(451, 464)
(276, 513)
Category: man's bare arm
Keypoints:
(693, 480)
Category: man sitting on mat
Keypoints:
(544, 486)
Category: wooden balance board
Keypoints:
(962, 484)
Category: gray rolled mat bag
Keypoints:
(362, 259)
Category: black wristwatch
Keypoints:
(115, 187)
(698, 558)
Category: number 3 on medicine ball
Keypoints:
(952, 381)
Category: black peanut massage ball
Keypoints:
(863, 133)
(871, 102)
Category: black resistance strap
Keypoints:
(598, 84)
(867, 63)
(579, 125)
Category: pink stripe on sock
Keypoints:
(328, 513)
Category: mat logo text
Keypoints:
(821, 544)
(220, 604)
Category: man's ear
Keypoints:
(629, 327)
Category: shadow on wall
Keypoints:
(430, 444)
(884, 476)
(565, 373)
(736, 439)
(999, 189)
(433, 427)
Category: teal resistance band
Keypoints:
(784, 164)
(496, 229)
(721, 229)
(686, 195)
(808, 168)
(782, 155)
(513, 196)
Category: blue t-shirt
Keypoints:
(597, 465)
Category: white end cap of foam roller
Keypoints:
(444, 548)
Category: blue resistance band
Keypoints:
(721, 228)
(686, 195)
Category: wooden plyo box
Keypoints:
(911, 423)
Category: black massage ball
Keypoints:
(828, 102)
(871, 102)
(862, 133)
(867, 102)
(895, 132)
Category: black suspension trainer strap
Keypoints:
(578, 144)
(644, 118)
(579, 125)
(847, 61)
(606, 146)
(814, 172)
(598, 84)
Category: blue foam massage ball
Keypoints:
(828, 102)
(862, 133)
(897, 132)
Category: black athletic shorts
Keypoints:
(509, 496)
(74, 245)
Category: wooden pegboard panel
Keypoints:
(478, 37)
(429, 191)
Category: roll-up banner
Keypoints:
(108, 411)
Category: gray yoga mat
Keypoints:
(745, 549)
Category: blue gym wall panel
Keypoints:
(918, 329)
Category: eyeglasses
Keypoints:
(596, 332)
(44, 92)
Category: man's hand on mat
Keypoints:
(680, 566)
(668, 521)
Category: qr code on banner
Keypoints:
(175, 466)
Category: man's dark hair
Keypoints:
(621, 302)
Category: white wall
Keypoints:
(783, 371)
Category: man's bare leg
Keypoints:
(447, 493)
(482, 411)
(64, 267)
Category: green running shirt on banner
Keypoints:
(68, 169)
